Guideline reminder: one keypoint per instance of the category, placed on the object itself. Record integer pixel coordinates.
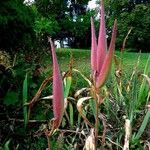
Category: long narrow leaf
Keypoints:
(80, 110)
(6, 146)
(144, 86)
(84, 77)
(71, 115)
(143, 125)
(67, 86)
(92, 104)
(25, 97)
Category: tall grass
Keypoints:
(119, 101)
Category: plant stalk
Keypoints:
(48, 140)
(96, 122)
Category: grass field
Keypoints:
(122, 103)
(81, 61)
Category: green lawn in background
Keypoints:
(82, 63)
(82, 59)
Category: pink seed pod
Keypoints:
(58, 95)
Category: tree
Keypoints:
(66, 15)
(16, 25)
(53, 13)
(130, 14)
(82, 31)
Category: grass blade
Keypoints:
(92, 104)
(83, 76)
(144, 87)
(25, 97)
(143, 125)
(71, 115)
(6, 146)
(67, 85)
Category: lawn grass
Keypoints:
(81, 61)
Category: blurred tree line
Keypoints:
(24, 26)
(16, 25)
(133, 14)
(64, 18)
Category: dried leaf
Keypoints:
(79, 107)
(90, 141)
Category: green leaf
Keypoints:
(144, 86)
(16, 148)
(143, 125)
(11, 98)
(71, 115)
(6, 146)
(83, 76)
(67, 85)
(63, 123)
(93, 106)
(25, 97)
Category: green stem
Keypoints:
(96, 120)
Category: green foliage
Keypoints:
(118, 103)
(67, 85)
(65, 20)
(6, 146)
(25, 98)
(127, 104)
(71, 115)
(144, 88)
(49, 20)
(46, 7)
(11, 98)
(130, 15)
(81, 30)
(143, 125)
(46, 26)
(16, 25)
(93, 106)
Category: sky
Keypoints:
(91, 4)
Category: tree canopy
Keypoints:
(23, 25)
(131, 14)
(16, 21)
(67, 17)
